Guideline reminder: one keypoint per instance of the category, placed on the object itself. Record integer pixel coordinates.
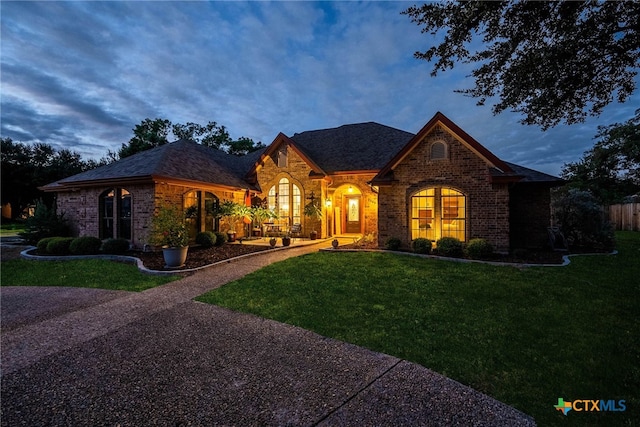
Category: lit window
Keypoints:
(285, 199)
(438, 212)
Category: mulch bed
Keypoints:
(199, 256)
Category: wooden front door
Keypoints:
(352, 214)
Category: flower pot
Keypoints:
(232, 236)
(286, 241)
(272, 242)
(175, 257)
(313, 235)
(335, 243)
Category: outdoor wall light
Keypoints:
(350, 189)
(327, 202)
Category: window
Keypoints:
(438, 150)
(282, 158)
(115, 214)
(438, 212)
(200, 208)
(285, 199)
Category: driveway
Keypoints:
(92, 357)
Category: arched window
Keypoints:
(438, 212)
(200, 208)
(438, 150)
(115, 214)
(285, 199)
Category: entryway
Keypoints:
(352, 214)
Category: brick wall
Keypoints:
(81, 207)
(487, 205)
(530, 215)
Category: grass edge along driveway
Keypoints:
(88, 273)
(526, 337)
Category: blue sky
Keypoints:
(81, 75)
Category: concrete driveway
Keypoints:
(84, 357)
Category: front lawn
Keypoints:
(89, 273)
(526, 337)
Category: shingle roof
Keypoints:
(530, 175)
(361, 146)
(356, 147)
(182, 160)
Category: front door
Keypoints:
(352, 214)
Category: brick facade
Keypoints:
(81, 207)
(503, 203)
(487, 203)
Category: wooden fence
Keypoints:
(625, 217)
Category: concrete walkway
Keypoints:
(91, 357)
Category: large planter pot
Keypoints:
(286, 241)
(232, 237)
(313, 235)
(175, 257)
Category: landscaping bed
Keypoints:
(199, 256)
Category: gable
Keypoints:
(273, 151)
(437, 123)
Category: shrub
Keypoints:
(479, 248)
(85, 245)
(221, 238)
(582, 221)
(59, 245)
(393, 243)
(206, 239)
(421, 245)
(44, 223)
(115, 246)
(450, 247)
(42, 244)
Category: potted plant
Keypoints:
(272, 242)
(170, 232)
(313, 211)
(260, 214)
(286, 240)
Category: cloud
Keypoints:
(81, 75)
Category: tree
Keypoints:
(611, 169)
(210, 135)
(27, 167)
(153, 133)
(243, 146)
(148, 134)
(551, 61)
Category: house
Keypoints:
(366, 177)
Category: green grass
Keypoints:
(89, 273)
(11, 228)
(525, 337)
